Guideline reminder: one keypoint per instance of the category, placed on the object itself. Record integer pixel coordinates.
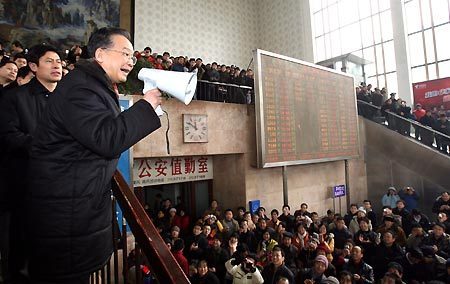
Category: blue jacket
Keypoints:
(411, 200)
(390, 200)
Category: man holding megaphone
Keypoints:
(180, 85)
(77, 145)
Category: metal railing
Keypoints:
(407, 127)
(221, 92)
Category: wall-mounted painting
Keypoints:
(62, 23)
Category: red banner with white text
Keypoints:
(432, 93)
(152, 171)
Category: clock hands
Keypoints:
(195, 126)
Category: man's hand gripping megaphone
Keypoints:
(153, 95)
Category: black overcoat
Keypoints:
(73, 158)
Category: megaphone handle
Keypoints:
(159, 111)
(150, 85)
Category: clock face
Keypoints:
(195, 128)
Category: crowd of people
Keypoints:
(222, 246)
(398, 245)
(212, 72)
(14, 71)
(433, 118)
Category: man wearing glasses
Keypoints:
(76, 147)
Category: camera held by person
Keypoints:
(245, 271)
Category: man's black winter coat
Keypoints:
(75, 151)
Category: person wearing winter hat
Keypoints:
(354, 223)
(316, 274)
(323, 249)
(390, 224)
(390, 198)
(290, 252)
(322, 260)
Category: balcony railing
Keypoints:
(227, 93)
(407, 127)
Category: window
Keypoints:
(351, 38)
(440, 11)
(328, 53)
(374, 6)
(391, 83)
(364, 8)
(348, 12)
(370, 70)
(432, 72)
(444, 69)
(386, 30)
(376, 28)
(318, 24)
(381, 81)
(326, 22)
(412, 12)
(335, 44)
(373, 81)
(416, 49)
(358, 53)
(429, 46)
(442, 43)
(333, 17)
(379, 53)
(418, 74)
(368, 54)
(426, 13)
(320, 48)
(360, 27)
(389, 56)
(422, 44)
(384, 5)
(330, 2)
(315, 5)
(366, 32)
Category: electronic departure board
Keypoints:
(305, 113)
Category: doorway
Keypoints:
(194, 197)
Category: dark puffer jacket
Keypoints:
(74, 155)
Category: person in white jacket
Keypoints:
(244, 272)
(390, 198)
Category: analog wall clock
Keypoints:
(195, 128)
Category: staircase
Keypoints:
(395, 159)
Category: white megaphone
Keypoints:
(180, 85)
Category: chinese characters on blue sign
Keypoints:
(338, 191)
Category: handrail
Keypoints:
(162, 263)
(417, 124)
(222, 92)
(226, 84)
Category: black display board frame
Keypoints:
(265, 115)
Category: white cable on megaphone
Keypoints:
(180, 85)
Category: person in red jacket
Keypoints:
(177, 251)
(418, 113)
(182, 221)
